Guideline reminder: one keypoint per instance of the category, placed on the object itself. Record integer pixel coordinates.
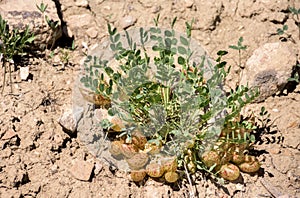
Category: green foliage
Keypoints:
(175, 104)
(239, 47)
(281, 31)
(13, 43)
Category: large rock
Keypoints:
(19, 13)
(269, 68)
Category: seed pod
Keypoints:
(138, 175)
(117, 123)
(154, 170)
(171, 177)
(210, 158)
(152, 148)
(238, 158)
(128, 150)
(138, 161)
(229, 172)
(169, 164)
(115, 148)
(139, 139)
(250, 167)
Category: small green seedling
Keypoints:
(296, 12)
(239, 47)
(295, 77)
(281, 31)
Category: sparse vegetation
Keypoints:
(13, 44)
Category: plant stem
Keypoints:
(4, 74)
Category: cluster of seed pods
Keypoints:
(140, 157)
(229, 160)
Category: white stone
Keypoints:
(24, 73)
(82, 3)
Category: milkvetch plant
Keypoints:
(167, 112)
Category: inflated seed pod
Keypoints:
(210, 158)
(138, 161)
(169, 164)
(139, 139)
(154, 170)
(128, 150)
(238, 158)
(250, 167)
(152, 148)
(117, 123)
(138, 175)
(171, 177)
(229, 172)
(115, 148)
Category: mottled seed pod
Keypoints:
(238, 158)
(229, 172)
(171, 177)
(154, 170)
(128, 150)
(138, 175)
(117, 123)
(152, 148)
(138, 161)
(115, 148)
(139, 139)
(210, 158)
(250, 167)
(169, 164)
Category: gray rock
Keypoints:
(69, 119)
(82, 170)
(269, 68)
(19, 13)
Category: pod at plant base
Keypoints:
(138, 161)
(117, 123)
(128, 150)
(211, 158)
(229, 172)
(115, 148)
(138, 175)
(238, 158)
(250, 166)
(154, 170)
(171, 177)
(169, 164)
(139, 139)
(152, 148)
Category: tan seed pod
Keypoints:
(138, 175)
(152, 148)
(171, 177)
(139, 139)
(128, 150)
(169, 164)
(154, 170)
(138, 161)
(115, 148)
(238, 158)
(211, 158)
(250, 167)
(117, 123)
(229, 172)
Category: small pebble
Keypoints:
(127, 21)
